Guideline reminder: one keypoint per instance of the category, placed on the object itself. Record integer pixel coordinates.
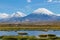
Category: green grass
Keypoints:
(29, 27)
(26, 38)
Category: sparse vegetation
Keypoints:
(31, 37)
(28, 27)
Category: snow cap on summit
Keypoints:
(43, 11)
(18, 14)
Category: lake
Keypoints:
(30, 33)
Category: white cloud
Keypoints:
(28, 1)
(54, 1)
(49, 0)
(3, 15)
(18, 14)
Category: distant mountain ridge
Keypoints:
(40, 14)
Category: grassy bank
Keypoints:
(9, 27)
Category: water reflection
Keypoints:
(36, 33)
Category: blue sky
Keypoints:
(28, 6)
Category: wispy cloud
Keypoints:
(28, 1)
(55, 1)
(49, 0)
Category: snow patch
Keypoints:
(4, 15)
(18, 14)
(43, 11)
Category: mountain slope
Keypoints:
(15, 17)
(38, 15)
(41, 14)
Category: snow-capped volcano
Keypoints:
(15, 17)
(38, 15)
(18, 14)
(42, 14)
(43, 11)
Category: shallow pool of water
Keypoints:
(36, 33)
